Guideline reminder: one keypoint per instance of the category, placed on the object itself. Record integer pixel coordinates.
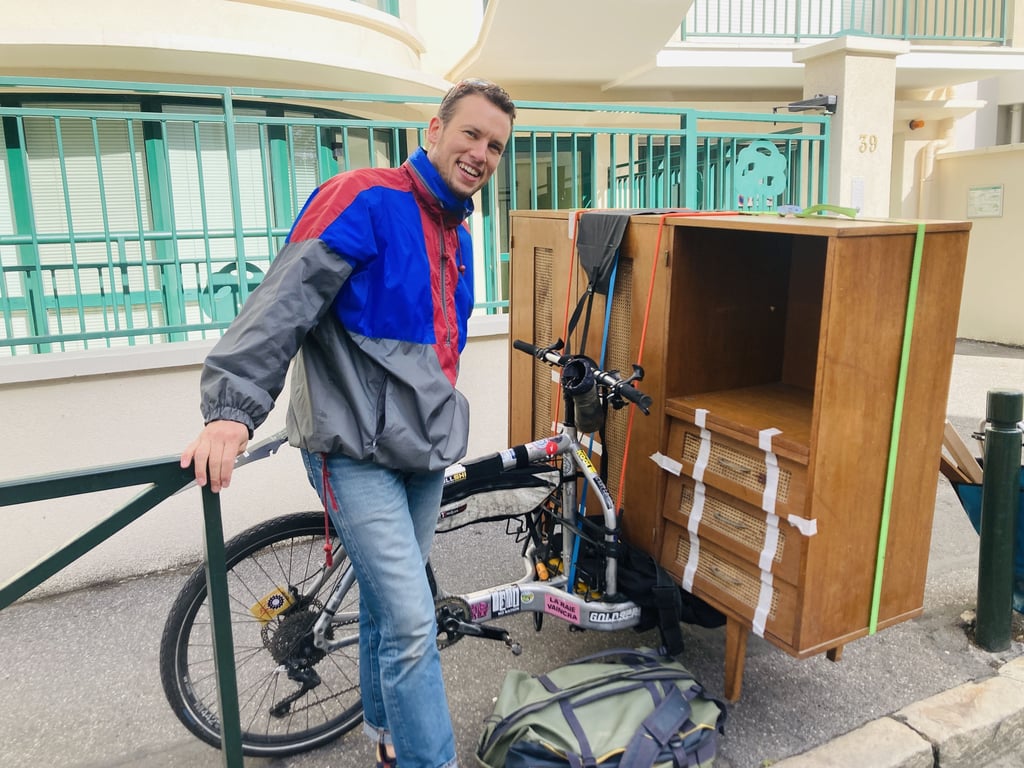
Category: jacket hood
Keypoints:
(447, 200)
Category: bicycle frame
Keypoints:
(553, 596)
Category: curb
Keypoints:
(965, 727)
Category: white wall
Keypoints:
(993, 293)
(82, 410)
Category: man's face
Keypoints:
(467, 149)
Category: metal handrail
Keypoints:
(164, 478)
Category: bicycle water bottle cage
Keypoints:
(578, 382)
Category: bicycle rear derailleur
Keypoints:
(454, 622)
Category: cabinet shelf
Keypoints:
(743, 413)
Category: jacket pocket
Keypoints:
(381, 411)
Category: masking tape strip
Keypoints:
(771, 542)
(700, 419)
(696, 513)
(764, 438)
(556, 376)
(802, 524)
(764, 603)
(771, 462)
(669, 465)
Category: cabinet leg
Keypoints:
(835, 654)
(735, 657)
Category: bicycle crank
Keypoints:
(454, 623)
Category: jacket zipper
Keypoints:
(444, 292)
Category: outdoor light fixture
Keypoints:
(820, 101)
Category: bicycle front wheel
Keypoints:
(292, 696)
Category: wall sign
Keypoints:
(985, 202)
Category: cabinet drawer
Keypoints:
(738, 469)
(731, 584)
(735, 526)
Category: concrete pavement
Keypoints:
(80, 685)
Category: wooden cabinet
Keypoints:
(798, 413)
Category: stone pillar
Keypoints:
(861, 72)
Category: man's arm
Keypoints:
(246, 370)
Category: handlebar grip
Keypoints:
(526, 347)
(634, 395)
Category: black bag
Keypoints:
(663, 603)
(618, 709)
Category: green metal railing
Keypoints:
(979, 21)
(164, 478)
(141, 213)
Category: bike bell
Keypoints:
(579, 383)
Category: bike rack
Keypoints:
(165, 477)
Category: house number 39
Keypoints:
(868, 142)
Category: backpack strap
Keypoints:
(660, 729)
(669, 605)
(586, 754)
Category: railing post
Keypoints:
(999, 499)
(220, 627)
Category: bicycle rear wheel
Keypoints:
(292, 697)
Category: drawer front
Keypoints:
(726, 582)
(739, 469)
(737, 527)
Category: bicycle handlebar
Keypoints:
(611, 380)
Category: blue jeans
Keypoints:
(386, 520)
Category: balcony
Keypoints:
(731, 51)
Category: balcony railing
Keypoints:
(135, 213)
(977, 21)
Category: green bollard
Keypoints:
(999, 498)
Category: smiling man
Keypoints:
(371, 295)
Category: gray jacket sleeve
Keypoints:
(245, 371)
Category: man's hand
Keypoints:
(216, 448)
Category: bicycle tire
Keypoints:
(283, 552)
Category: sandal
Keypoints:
(383, 760)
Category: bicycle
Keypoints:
(295, 612)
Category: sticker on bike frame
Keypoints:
(270, 605)
(611, 617)
(505, 601)
(585, 459)
(563, 609)
(478, 611)
(456, 473)
(452, 512)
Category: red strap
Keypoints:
(328, 494)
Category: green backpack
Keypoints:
(617, 709)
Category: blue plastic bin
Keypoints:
(970, 499)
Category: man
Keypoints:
(371, 294)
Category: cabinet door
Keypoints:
(539, 268)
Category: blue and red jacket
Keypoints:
(371, 295)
